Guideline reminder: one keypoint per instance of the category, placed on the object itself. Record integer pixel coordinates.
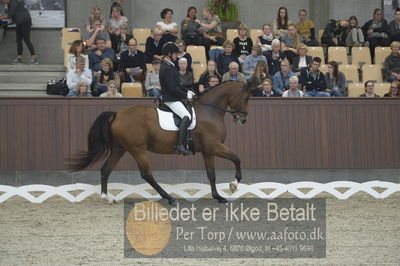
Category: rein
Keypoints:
(232, 112)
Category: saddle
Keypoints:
(169, 121)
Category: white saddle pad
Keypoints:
(166, 120)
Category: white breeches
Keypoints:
(179, 109)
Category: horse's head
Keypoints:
(239, 104)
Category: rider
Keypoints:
(173, 93)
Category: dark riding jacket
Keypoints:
(171, 89)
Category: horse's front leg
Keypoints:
(209, 162)
(224, 152)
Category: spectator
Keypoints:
(251, 61)
(226, 58)
(260, 73)
(133, 65)
(210, 29)
(313, 80)
(274, 57)
(120, 43)
(79, 74)
(211, 83)
(233, 74)
(77, 49)
(154, 45)
(335, 80)
(90, 37)
(23, 21)
(205, 76)
(394, 27)
(185, 77)
(281, 78)
(117, 3)
(392, 63)
(394, 90)
(369, 90)
(152, 83)
(82, 89)
(265, 40)
(306, 29)
(356, 36)
(266, 90)
(168, 28)
(115, 22)
(377, 31)
(293, 91)
(182, 54)
(302, 60)
(243, 44)
(290, 43)
(335, 33)
(96, 56)
(95, 14)
(190, 29)
(107, 74)
(112, 90)
(281, 23)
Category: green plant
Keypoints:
(225, 9)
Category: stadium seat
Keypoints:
(380, 55)
(198, 54)
(149, 67)
(141, 36)
(132, 89)
(68, 37)
(351, 73)
(355, 89)
(323, 69)
(316, 52)
(338, 54)
(254, 33)
(371, 72)
(231, 34)
(216, 47)
(361, 56)
(198, 69)
(382, 88)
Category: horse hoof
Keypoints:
(107, 200)
(233, 186)
(172, 202)
(222, 200)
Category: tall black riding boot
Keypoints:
(185, 123)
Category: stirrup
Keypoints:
(182, 150)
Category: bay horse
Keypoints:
(136, 130)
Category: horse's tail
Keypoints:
(100, 140)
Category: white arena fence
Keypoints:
(193, 191)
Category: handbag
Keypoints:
(57, 87)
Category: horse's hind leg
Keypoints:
(112, 160)
(209, 162)
(142, 161)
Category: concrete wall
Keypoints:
(146, 13)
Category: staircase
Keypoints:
(27, 80)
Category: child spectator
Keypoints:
(243, 44)
(265, 40)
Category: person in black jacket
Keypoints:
(313, 81)
(21, 17)
(376, 31)
(394, 27)
(173, 93)
(335, 33)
